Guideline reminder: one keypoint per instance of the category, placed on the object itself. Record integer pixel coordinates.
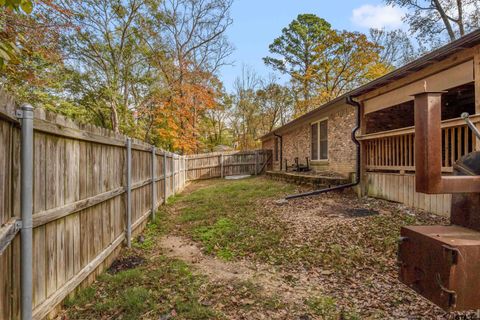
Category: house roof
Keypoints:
(441, 53)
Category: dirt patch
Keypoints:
(126, 263)
(360, 212)
(269, 280)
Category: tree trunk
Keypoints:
(461, 27)
(445, 20)
(114, 117)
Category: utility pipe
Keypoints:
(351, 102)
(26, 207)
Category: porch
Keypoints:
(389, 156)
(313, 179)
(393, 150)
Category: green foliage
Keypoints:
(296, 47)
(211, 236)
(323, 63)
(8, 48)
(225, 218)
(297, 43)
(17, 5)
(157, 288)
(83, 296)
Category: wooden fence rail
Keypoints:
(80, 202)
(221, 164)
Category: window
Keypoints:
(315, 141)
(319, 140)
(277, 141)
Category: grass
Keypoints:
(326, 308)
(159, 288)
(228, 219)
(233, 220)
(223, 217)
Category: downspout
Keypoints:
(281, 149)
(351, 102)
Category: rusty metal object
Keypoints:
(442, 264)
(466, 206)
(428, 150)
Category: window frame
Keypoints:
(276, 147)
(319, 158)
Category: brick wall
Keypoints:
(341, 153)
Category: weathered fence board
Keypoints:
(216, 165)
(79, 203)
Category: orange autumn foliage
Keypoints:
(177, 114)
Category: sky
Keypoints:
(256, 23)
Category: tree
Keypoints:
(190, 35)
(346, 61)
(8, 46)
(106, 48)
(437, 20)
(36, 72)
(395, 47)
(246, 118)
(141, 67)
(324, 63)
(215, 123)
(276, 105)
(296, 48)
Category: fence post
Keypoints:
(26, 191)
(129, 192)
(256, 162)
(221, 166)
(186, 169)
(183, 172)
(164, 177)
(154, 182)
(173, 173)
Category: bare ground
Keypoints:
(331, 256)
(373, 291)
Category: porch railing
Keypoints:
(394, 150)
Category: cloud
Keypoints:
(378, 16)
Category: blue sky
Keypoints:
(257, 22)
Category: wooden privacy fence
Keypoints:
(394, 150)
(89, 192)
(221, 164)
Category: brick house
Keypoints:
(322, 136)
(386, 134)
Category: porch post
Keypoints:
(476, 63)
(428, 142)
(362, 190)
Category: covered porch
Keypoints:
(388, 148)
